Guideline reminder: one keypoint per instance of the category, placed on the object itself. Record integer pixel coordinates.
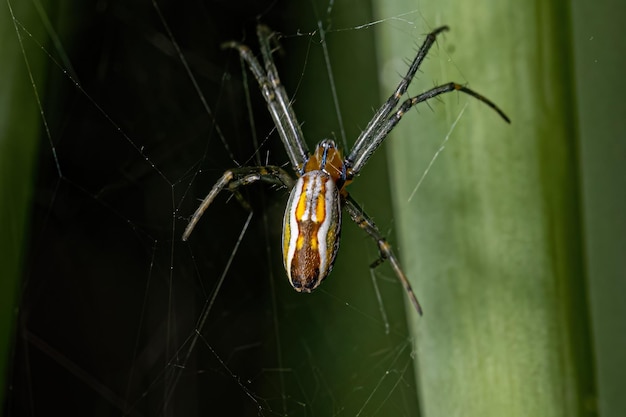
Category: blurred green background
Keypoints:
(513, 241)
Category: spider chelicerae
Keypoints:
(312, 220)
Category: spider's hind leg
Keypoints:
(235, 178)
(386, 253)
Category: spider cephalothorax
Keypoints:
(312, 220)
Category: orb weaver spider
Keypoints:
(312, 219)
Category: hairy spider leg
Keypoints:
(233, 179)
(393, 120)
(275, 96)
(393, 100)
(384, 121)
(358, 215)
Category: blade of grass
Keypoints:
(492, 238)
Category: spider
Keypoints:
(312, 219)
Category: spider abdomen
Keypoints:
(311, 230)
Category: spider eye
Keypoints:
(328, 144)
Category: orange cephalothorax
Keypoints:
(327, 158)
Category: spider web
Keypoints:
(144, 112)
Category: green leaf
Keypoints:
(492, 236)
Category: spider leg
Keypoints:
(385, 120)
(393, 120)
(276, 98)
(362, 144)
(386, 253)
(232, 180)
(447, 88)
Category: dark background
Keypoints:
(111, 296)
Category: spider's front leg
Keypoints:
(275, 96)
(233, 179)
(386, 253)
(386, 118)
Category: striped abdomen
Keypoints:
(311, 229)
